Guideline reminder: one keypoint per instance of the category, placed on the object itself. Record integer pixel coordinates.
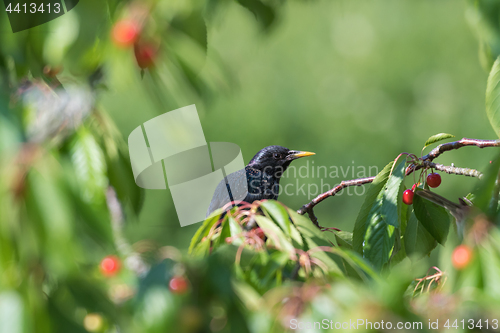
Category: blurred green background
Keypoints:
(355, 82)
(351, 81)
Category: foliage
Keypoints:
(67, 189)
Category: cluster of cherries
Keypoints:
(126, 33)
(111, 265)
(433, 180)
(462, 254)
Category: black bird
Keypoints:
(261, 175)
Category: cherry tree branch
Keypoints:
(454, 170)
(452, 146)
(424, 162)
(308, 208)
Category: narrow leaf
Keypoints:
(379, 237)
(90, 166)
(437, 137)
(391, 201)
(357, 263)
(278, 213)
(492, 97)
(204, 229)
(274, 233)
(373, 191)
(483, 192)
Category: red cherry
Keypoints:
(461, 257)
(145, 54)
(110, 265)
(408, 197)
(178, 285)
(125, 33)
(434, 180)
(260, 233)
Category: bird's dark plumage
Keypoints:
(261, 175)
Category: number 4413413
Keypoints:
(34, 8)
(471, 324)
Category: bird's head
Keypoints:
(275, 159)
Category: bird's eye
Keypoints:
(277, 156)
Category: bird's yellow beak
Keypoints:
(300, 154)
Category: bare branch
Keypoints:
(454, 170)
(308, 208)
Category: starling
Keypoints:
(263, 175)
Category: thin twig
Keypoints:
(454, 170)
(308, 208)
(434, 278)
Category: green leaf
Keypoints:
(49, 203)
(492, 97)
(224, 233)
(89, 295)
(234, 227)
(63, 322)
(95, 220)
(372, 193)
(204, 229)
(310, 233)
(278, 213)
(392, 197)
(483, 192)
(379, 236)
(274, 233)
(193, 25)
(313, 237)
(119, 169)
(434, 218)
(344, 242)
(121, 177)
(357, 263)
(417, 240)
(267, 274)
(490, 265)
(90, 166)
(437, 137)
(344, 239)
(263, 13)
(399, 252)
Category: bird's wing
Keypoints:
(234, 189)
